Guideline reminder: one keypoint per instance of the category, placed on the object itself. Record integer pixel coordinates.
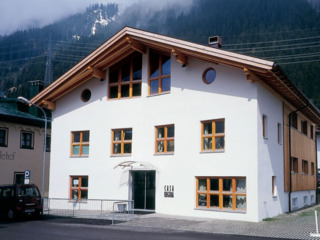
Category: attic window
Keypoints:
(209, 76)
(86, 95)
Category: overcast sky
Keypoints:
(23, 14)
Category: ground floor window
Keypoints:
(79, 187)
(18, 178)
(221, 193)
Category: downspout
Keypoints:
(316, 142)
(290, 179)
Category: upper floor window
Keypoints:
(3, 137)
(305, 167)
(312, 168)
(294, 165)
(121, 141)
(159, 73)
(79, 187)
(80, 143)
(311, 131)
(279, 130)
(212, 135)
(265, 126)
(126, 77)
(294, 120)
(165, 139)
(26, 140)
(304, 127)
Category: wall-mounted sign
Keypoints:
(27, 174)
(169, 191)
(6, 156)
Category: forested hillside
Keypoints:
(286, 31)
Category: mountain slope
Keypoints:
(286, 31)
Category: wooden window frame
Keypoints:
(79, 188)
(25, 146)
(274, 186)
(311, 131)
(294, 121)
(165, 139)
(312, 169)
(80, 144)
(122, 142)
(213, 136)
(5, 140)
(305, 167)
(304, 127)
(220, 193)
(294, 165)
(119, 83)
(279, 130)
(160, 76)
(265, 126)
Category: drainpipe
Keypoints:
(290, 179)
(316, 142)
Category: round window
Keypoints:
(86, 95)
(209, 76)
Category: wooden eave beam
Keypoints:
(97, 73)
(70, 85)
(205, 54)
(137, 46)
(111, 60)
(113, 56)
(108, 51)
(251, 77)
(180, 57)
(49, 105)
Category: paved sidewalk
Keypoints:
(297, 225)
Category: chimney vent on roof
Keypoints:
(215, 42)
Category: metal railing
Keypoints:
(108, 209)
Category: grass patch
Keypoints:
(309, 213)
(269, 219)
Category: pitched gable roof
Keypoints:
(128, 40)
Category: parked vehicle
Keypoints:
(19, 200)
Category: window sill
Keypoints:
(163, 154)
(210, 151)
(78, 201)
(221, 210)
(158, 94)
(123, 98)
(27, 148)
(79, 156)
(121, 155)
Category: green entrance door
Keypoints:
(144, 189)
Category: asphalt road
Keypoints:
(51, 228)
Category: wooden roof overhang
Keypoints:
(129, 40)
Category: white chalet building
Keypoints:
(182, 129)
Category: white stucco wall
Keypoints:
(270, 156)
(190, 101)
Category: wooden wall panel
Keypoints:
(302, 147)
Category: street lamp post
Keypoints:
(26, 101)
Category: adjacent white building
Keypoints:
(181, 129)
